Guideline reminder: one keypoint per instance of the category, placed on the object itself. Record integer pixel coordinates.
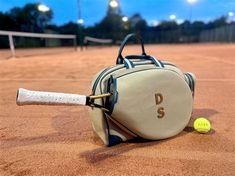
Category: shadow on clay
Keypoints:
(68, 126)
(75, 126)
(207, 113)
(100, 154)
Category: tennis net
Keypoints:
(23, 41)
(91, 41)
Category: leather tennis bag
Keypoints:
(150, 98)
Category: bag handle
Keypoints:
(120, 59)
(129, 64)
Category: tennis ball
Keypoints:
(202, 125)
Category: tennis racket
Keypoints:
(29, 97)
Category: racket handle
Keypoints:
(28, 97)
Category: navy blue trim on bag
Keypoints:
(120, 58)
(97, 80)
(128, 64)
(190, 82)
(111, 87)
(157, 62)
(114, 139)
(114, 95)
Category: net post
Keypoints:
(12, 47)
(75, 43)
(81, 38)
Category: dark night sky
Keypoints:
(152, 10)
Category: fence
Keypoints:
(221, 34)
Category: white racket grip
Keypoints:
(28, 97)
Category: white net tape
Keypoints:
(97, 40)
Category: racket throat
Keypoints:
(90, 101)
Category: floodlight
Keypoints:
(113, 3)
(153, 23)
(172, 17)
(230, 14)
(43, 8)
(80, 21)
(179, 21)
(191, 1)
(124, 19)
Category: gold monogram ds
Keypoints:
(159, 100)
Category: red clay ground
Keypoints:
(41, 140)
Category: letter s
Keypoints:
(161, 112)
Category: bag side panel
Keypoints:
(138, 109)
(109, 132)
(99, 123)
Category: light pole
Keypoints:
(230, 19)
(114, 13)
(42, 21)
(113, 4)
(80, 22)
(191, 2)
(125, 22)
(114, 7)
(43, 9)
(230, 16)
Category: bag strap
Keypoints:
(120, 58)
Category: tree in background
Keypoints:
(30, 19)
(6, 22)
(138, 24)
(27, 19)
(167, 32)
(112, 25)
(222, 21)
(109, 27)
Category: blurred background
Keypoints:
(158, 21)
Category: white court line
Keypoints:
(184, 155)
(151, 153)
(211, 57)
(218, 80)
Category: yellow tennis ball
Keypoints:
(202, 125)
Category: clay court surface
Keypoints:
(42, 140)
